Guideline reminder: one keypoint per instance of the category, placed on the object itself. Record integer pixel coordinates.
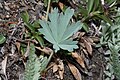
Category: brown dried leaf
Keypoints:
(4, 63)
(28, 50)
(61, 5)
(61, 74)
(18, 45)
(61, 69)
(95, 39)
(55, 68)
(82, 44)
(75, 71)
(81, 34)
(86, 53)
(45, 50)
(88, 47)
(79, 59)
(88, 39)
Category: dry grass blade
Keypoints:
(75, 71)
(79, 59)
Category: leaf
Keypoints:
(61, 5)
(2, 39)
(25, 16)
(31, 27)
(97, 5)
(35, 77)
(90, 5)
(58, 30)
(4, 65)
(61, 69)
(83, 11)
(111, 2)
(36, 24)
(18, 45)
(79, 59)
(88, 46)
(86, 27)
(55, 68)
(75, 71)
(105, 18)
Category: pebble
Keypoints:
(7, 8)
(1, 5)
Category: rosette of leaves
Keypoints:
(59, 30)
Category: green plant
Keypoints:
(58, 30)
(34, 65)
(32, 27)
(2, 39)
(111, 38)
(111, 33)
(115, 59)
(96, 11)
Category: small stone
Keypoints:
(7, 8)
(7, 16)
(1, 5)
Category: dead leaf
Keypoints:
(61, 69)
(85, 52)
(88, 46)
(88, 39)
(95, 39)
(75, 71)
(55, 68)
(82, 44)
(13, 49)
(81, 34)
(45, 50)
(78, 58)
(61, 5)
(28, 50)
(4, 63)
(18, 45)
(61, 74)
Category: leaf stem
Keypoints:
(50, 56)
(48, 60)
(48, 8)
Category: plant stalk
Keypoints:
(48, 8)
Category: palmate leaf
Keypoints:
(58, 30)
